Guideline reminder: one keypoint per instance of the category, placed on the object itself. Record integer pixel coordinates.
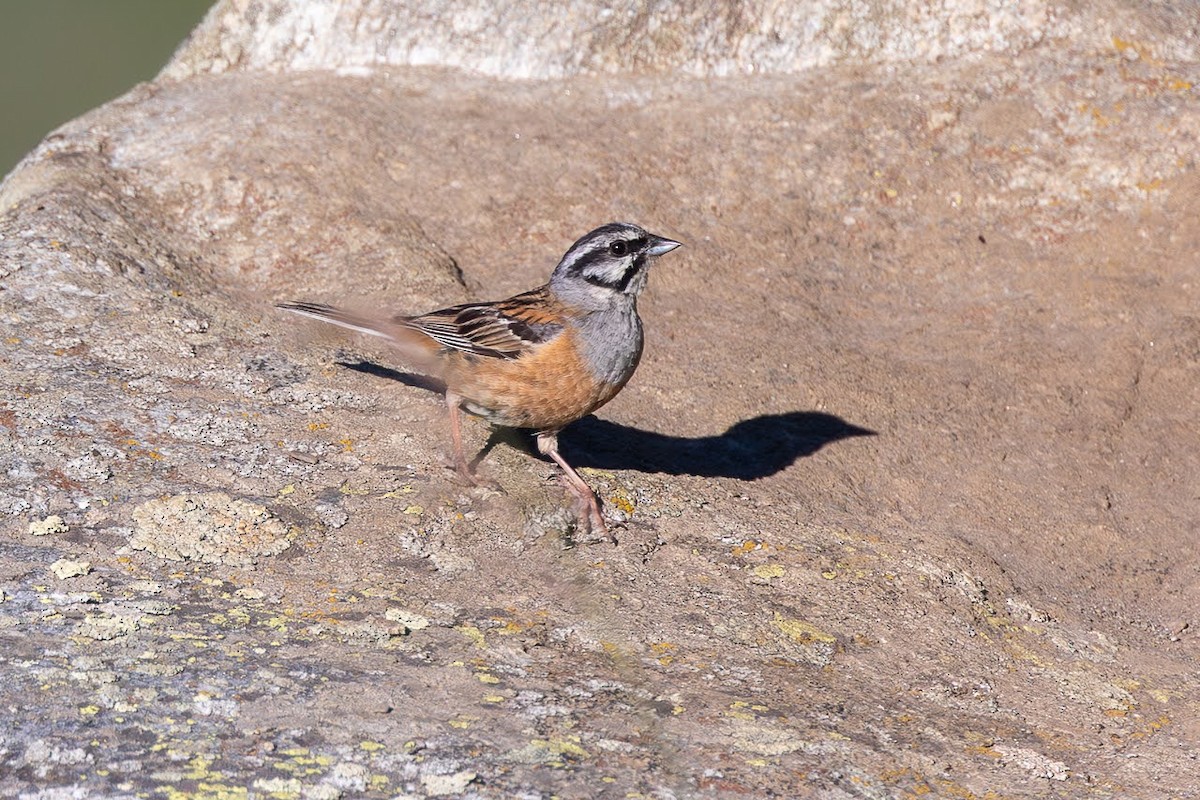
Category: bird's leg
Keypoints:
(454, 406)
(464, 468)
(588, 503)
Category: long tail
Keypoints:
(414, 347)
(337, 316)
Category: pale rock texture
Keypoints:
(909, 467)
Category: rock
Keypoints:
(213, 528)
(445, 785)
(50, 525)
(68, 568)
(905, 467)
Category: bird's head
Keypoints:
(609, 262)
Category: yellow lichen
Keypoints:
(802, 632)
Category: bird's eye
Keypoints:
(618, 248)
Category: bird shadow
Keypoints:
(407, 378)
(749, 449)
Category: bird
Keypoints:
(538, 360)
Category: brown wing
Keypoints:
(503, 329)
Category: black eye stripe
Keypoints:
(598, 263)
(623, 247)
(622, 283)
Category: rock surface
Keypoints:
(909, 468)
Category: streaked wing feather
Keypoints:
(504, 329)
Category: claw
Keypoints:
(587, 505)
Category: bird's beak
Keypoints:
(659, 246)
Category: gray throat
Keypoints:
(611, 341)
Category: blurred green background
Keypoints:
(60, 58)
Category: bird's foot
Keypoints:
(591, 527)
(463, 475)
